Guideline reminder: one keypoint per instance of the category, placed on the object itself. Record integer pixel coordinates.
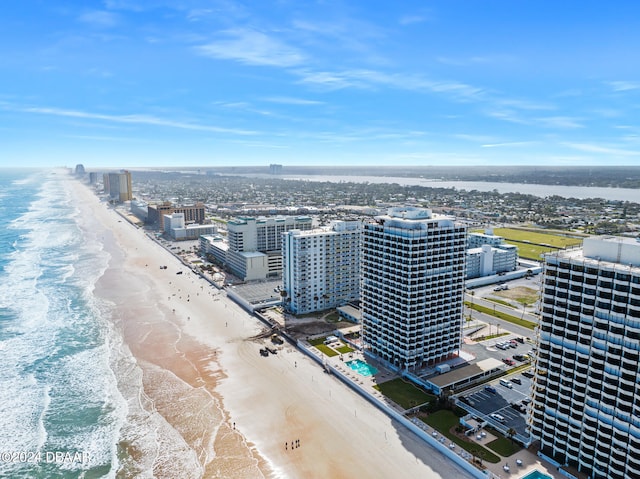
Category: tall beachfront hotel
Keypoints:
(412, 287)
(586, 390)
(321, 267)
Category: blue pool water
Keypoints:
(362, 368)
(536, 475)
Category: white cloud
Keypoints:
(474, 138)
(411, 19)
(329, 80)
(99, 18)
(624, 85)
(293, 101)
(368, 79)
(591, 148)
(253, 48)
(507, 115)
(564, 122)
(525, 104)
(133, 119)
(509, 144)
(489, 59)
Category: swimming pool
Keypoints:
(361, 367)
(536, 475)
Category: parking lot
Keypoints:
(495, 398)
(514, 351)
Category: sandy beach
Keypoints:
(204, 403)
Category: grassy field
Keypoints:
(317, 341)
(444, 421)
(504, 316)
(319, 344)
(520, 294)
(404, 393)
(503, 446)
(327, 350)
(547, 239)
(532, 244)
(531, 251)
(345, 349)
(499, 301)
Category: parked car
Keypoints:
(497, 417)
(490, 389)
(528, 374)
(516, 380)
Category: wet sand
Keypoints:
(204, 403)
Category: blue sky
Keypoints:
(128, 83)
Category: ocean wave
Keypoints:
(57, 389)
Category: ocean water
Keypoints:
(60, 408)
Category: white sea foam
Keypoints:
(57, 391)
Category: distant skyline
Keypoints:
(135, 83)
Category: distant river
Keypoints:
(580, 192)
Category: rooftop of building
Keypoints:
(243, 220)
(616, 250)
(464, 372)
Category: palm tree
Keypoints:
(283, 296)
(510, 433)
(474, 453)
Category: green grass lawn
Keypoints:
(444, 420)
(317, 341)
(531, 251)
(500, 315)
(326, 350)
(541, 238)
(345, 349)
(404, 393)
(532, 244)
(499, 301)
(503, 446)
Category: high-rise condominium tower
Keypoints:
(321, 267)
(118, 185)
(586, 390)
(412, 286)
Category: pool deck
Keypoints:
(530, 461)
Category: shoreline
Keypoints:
(222, 408)
(161, 366)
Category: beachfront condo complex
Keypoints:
(412, 286)
(321, 267)
(586, 390)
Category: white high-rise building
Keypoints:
(255, 244)
(487, 260)
(321, 267)
(412, 286)
(586, 390)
